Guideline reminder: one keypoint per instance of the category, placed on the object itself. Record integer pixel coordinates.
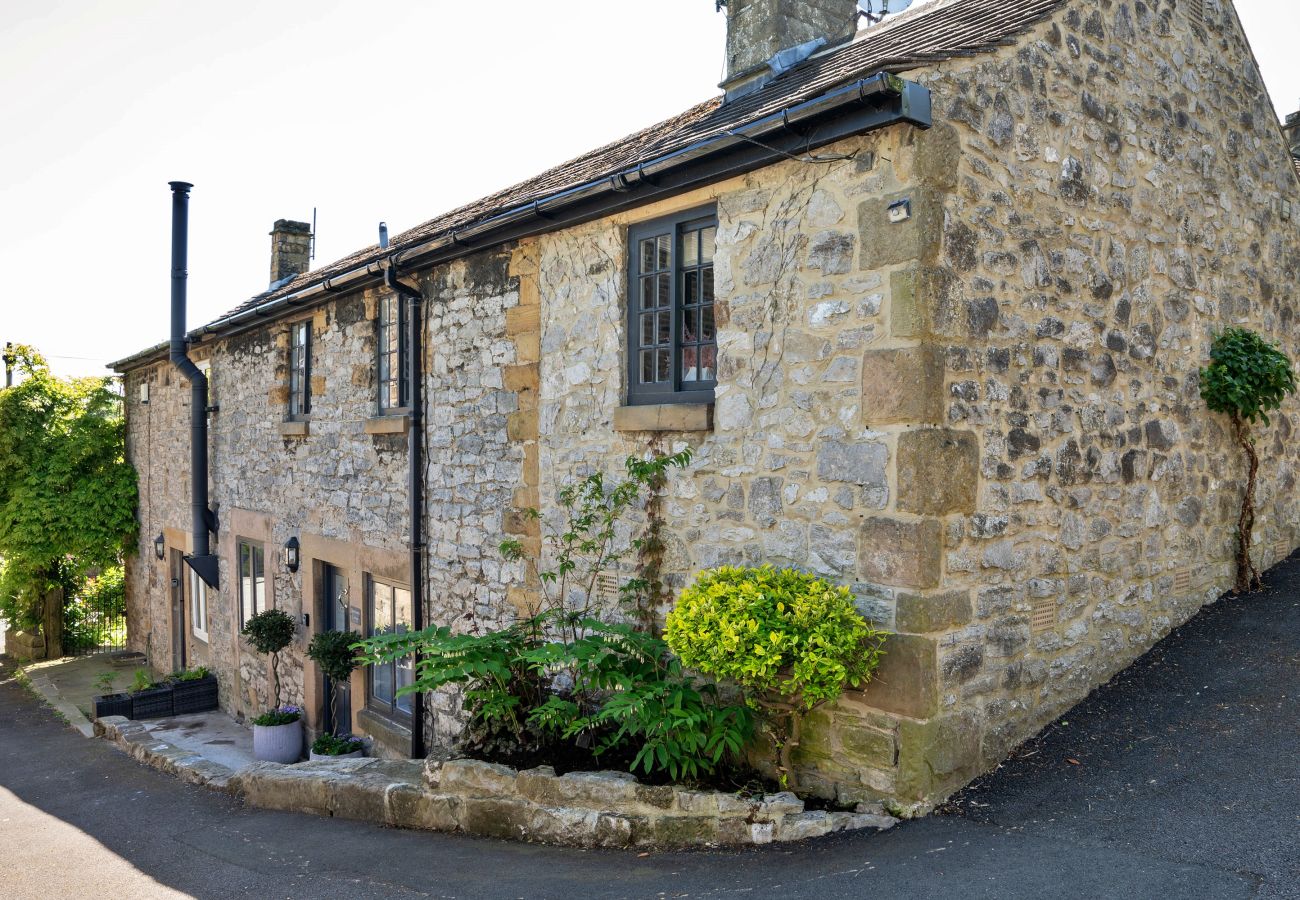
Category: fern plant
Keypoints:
(1247, 378)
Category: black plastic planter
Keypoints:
(113, 705)
(152, 703)
(199, 695)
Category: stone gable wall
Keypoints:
(1115, 202)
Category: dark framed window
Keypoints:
(388, 611)
(299, 369)
(393, 391)
(672, 350)
(252, 579)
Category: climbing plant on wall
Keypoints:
(67, 493)
(1247, 378)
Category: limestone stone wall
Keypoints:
(957, 372)
(474, 464)
(800, 466)
(984, 417)
(157, 445)
(1110, 199)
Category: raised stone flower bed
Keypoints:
(580, 809)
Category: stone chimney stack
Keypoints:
(757, 30)
(290, 249)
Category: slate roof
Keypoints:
(932, 33)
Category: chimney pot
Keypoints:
(290, 249)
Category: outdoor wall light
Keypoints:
(291, 554)
(158, 543)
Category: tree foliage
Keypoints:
(270, 631)
(67, 493)
(1247, 378)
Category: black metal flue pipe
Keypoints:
(201, 560)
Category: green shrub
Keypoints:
(790, 641)
(198, 673)
(333, 653)
(330, 745)
(270, 631)
(1246, 379)
(587, 545)
(141, 681)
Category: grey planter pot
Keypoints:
(278, 743)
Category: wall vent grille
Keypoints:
(1195, 11)
(1183, 581)
(1043, 614)
(607, 584)
(1281, 550)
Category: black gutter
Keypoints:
(865, 105)
(415, 480)
(202, 519)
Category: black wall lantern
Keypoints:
(291, 554)
(158, 543)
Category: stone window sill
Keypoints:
(295, 428)
(392, 739)
(388, 424)
(665, 417)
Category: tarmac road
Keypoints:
(1187, 785)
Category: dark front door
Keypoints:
(336, 619)
(176, 574)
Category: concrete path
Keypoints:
(1178, 780)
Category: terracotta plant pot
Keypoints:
(278, 743)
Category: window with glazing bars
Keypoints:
(299, 369)
(252, 580)
(389, 611)
(672, 337)
(392, 354)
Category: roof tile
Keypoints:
(932, 33)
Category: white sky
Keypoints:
(367, 110)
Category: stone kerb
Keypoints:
(582, 809)
(579, 809)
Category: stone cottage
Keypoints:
(928, 299)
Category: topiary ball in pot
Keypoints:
(334, 653)
(277, 735)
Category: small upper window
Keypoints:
(672, 336)
(299, 369)
(392, 355)
(252, 580)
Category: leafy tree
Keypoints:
(332, 651)
(1247, 377)
(67, 494)
(270, 631)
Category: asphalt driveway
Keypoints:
(1176, 780)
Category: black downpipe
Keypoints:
(202, 520)
(415, 485)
